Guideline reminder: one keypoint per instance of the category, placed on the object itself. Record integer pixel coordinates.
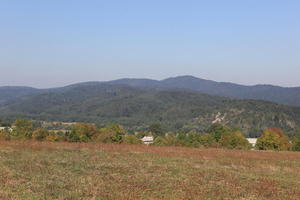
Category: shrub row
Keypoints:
(218, 136)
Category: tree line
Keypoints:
(217, 136)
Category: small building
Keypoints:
(2, 128)
(252, 141)
(147, 139)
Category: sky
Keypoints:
(53, 43)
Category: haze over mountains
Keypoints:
(181, 103)
(283, 95)
(276, 94)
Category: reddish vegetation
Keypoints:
(109, 171)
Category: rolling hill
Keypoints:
(277, 94)
(137, 106)
(10, 92)
(283, 95)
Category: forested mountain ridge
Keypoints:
(277, 94)
(283, 95)
(12, 92)
(137, 108)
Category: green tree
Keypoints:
(273, 139)
(118, 133)
(295, 143)
(192, 139)
(23, 128)
(207, 140)
(82, 132)
(234, 140)
(218, 130)
(112, 134)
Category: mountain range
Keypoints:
(282, 95)
(180, 103)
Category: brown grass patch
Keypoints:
(44, 170)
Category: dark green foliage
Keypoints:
(138, 109)
(218, 130)
(192, 140)
(229, 137)
(8, 93)
(157, 129)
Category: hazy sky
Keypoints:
(57, 42)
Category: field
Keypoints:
(41, 170)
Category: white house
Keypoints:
(147, 139)
(252, 141)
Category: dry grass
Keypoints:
(33, 170)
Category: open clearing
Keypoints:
(42, 170)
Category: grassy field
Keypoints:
(33, 170)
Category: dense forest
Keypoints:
(137, 108)
(282, 95)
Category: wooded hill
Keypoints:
(138, 107)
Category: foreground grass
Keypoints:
(32, 170)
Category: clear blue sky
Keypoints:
(57, 42)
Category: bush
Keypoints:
(40, 134)
(234, 140)
(191, 139)
(23, 129)
(113, 134)
(160, 141)
(218, 130)
(171, 140)
(82, 132)
(4, 136)
(273, 139)
(207, 140)
(131, 139)
(52, 137)
(295, 144)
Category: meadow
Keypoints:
(45, 170)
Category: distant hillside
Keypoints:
(283, 95)
(11, 92)
(137, 108)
